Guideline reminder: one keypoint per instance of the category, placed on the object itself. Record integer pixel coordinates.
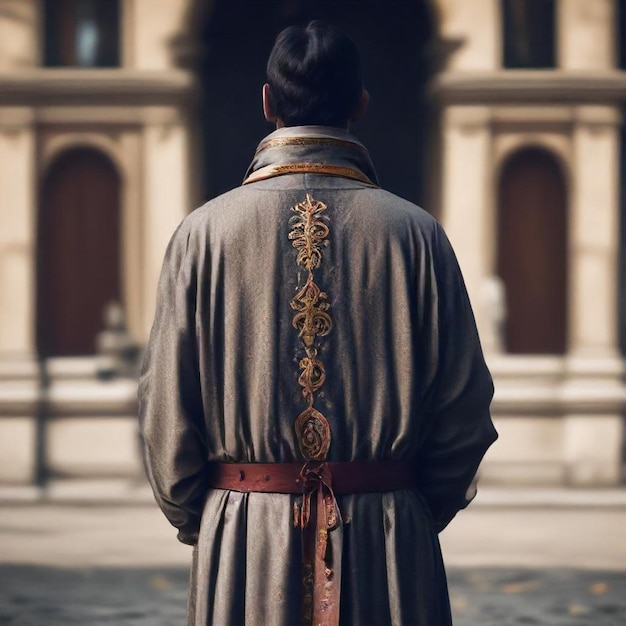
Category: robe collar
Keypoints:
(318, 146)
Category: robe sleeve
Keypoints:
(458, 423)
(170, 402)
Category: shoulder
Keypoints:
(400, 212)
(236, 197)
(199, 221)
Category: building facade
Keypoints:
(502, 117)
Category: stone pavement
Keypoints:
(42, 596)
(553, 562)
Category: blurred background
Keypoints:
(503, 118)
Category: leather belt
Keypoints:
(318, 482)
(347, 477)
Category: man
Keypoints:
(314, 400)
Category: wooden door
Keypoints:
(532, 252)
(78, 251)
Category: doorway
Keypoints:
(532, 252)
(78, 253)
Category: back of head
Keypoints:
(314, 76)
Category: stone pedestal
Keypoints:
(559, 420)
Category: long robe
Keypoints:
(405, 379)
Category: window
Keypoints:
(82, 33)
(528, 29)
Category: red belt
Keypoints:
(315, 516)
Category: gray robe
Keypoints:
(405, 380)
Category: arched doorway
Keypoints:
(532, 252)
(78, 269)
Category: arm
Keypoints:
(170, 406)
(458, 424)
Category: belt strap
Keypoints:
(347, 477)
(318, 482)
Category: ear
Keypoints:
(361, 107)
(268, 107)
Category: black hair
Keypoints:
(314, 74)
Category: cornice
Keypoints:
(102, 87)
(531, 86)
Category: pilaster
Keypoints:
(20, 28)
(593, 441)
(594, 232)
(586, 34)
(166, 194)
(466, 197)
(17, 231)
(475, 26)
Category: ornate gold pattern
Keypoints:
(308, 235)
(280, 142)
(329, 169)
(313, 432)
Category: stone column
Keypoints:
(149, 28)
(18, 383)
(21, 28)
(17, 228)
(476, 27)
(593, 436)
(594, 232)
(466, 199)
(593, 387)
(585, 34)
(166, 194)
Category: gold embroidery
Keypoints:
(328, 169)
(311, 318)
(308, 235)
(280, 142)
(313, 432)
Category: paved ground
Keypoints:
(62, 565)
(39, 596)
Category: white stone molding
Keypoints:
(507, 143)
(96, 87)
(517, 128)
(559, 418)
(74, 389)
(552, 87)
(54, 144)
